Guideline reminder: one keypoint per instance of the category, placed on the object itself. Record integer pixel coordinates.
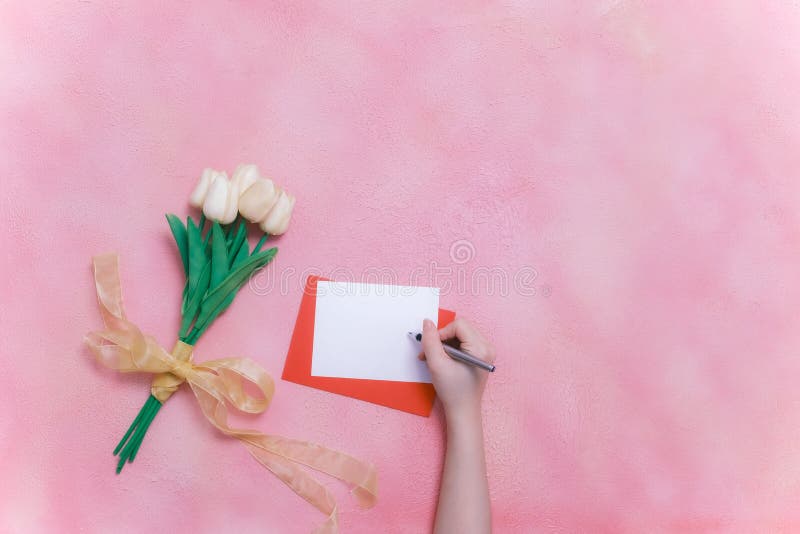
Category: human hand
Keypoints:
(458, 385)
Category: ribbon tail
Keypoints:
(282, 456)
(223, 382)
(301, 483)
(362, 477)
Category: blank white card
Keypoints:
(361, 330)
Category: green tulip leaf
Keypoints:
(184, 298)
(241, 256)
(219, 256)
(194, 301)
(236, 243)
(215, 301)
(199, 276)
(198, 258)
(181, 239)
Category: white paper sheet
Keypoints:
(361, 330)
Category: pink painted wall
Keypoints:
(641, 158)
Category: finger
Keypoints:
(448, 331)
(421, 356)
(469, 337)
(431, 343)
(459, 329)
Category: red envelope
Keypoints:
(411, 397)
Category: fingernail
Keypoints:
(427, 323)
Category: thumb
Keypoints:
(431, 343)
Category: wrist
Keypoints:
(466, 415)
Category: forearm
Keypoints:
(464, 497)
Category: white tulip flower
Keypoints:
(277, 221)
(256, 201)
(245, 176)
(232, 205)
(198, 196)
(221, 202)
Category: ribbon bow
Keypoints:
(217, 384)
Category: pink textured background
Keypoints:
(641, 157)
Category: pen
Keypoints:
(459, 355)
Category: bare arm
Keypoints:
(464, 497)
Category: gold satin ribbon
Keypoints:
(216, 385)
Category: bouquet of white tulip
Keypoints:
(218, 262)
(255, 197)
(216, 265)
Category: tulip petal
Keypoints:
(245, 176)
(231, 204)
(258, 199)
(217, 198)
(198, 196)
(277, 220)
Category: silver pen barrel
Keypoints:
(467, 358)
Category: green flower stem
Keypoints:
(260, 243)
(138, 429)
(131, 428)
(228, 228)
(230, 231)
(156, 406)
